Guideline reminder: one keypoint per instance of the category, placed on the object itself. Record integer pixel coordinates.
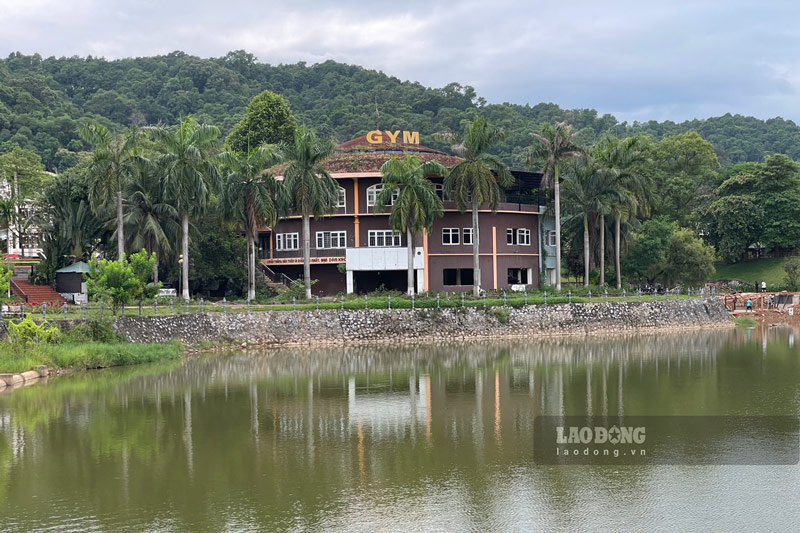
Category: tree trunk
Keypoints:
(585, 250)
(251, 267)
(120, 230)
(307, 254)
(155, 266)
(616, 252)
(557, 201)
(602, 250)
(410, 238)
(476, 247)
(185, 250)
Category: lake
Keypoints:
(383, 438)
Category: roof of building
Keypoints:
(358, 155)
(79, 267)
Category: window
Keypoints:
(373, 191)
(467, 233)
(331, 239)
(342, 201)
(518, 276)
(550, 237)
(521, 236)
(450, 235)
(457, 276)
(440, 192)
(383, 238)
(287, 241)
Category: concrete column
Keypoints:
(420, 280)
(350, 282)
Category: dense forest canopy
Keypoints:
(43, 101)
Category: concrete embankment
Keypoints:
(351, 326)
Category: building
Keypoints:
(354, 250)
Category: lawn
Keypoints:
(756, 270)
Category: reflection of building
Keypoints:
(355, 250)
(388, 412)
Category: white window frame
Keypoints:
(453, 236)
(550, 237)
(373, 191)
(335, 240)
(466, 235)
(523, 237)
(342, 199)
(383, 238)
(287, 241)
(511, 237)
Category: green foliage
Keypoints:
(27, 331)
(688, 260)
(647, 255)
(733, 222)
(5, 275)
(745, 322)
(268, 120)
(792, 269)
(122, 282)
(501, 314)
(296, 291)
(92, 331)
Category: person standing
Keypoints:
(749, 305)
(763, 286)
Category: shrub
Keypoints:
(26, 331)
(296, 290)
(501, 314)
(93, 331)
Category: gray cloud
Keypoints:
(676, 60)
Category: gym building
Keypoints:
(354, 250)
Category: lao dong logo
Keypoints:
(600, 435)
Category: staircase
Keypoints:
(35, 294)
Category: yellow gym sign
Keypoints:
(378, 137)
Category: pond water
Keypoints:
(429, 438)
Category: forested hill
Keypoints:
(42, 101)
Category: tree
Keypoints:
(416, 204)
(24, 176)
(153, 221)
(689, 259)
(476, 181)
(121, 282)
(792, 269)
(624, 159)
(778, 194)
(190, 175)
(253, 198)
(310, 187)
(268, 120)
(733, 223)
(551, 147)
(646, 258)
(589, 190)
(114, 160)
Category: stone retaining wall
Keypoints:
(343, 326)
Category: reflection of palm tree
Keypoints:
(310, 187)
(477, 179)
(416, 203)
(153, 221)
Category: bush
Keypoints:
(296, 290)
(26, 332)
(93, 331)
(792, 269)
(501, 314)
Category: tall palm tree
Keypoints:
(311, 189)
(551, 147)
(416, 203)
(154, 222)
(477, 180)
(622, 158)
(7, 219)
(589, 191)
(188, 168)
(252, 197)
(114, 160)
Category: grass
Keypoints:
(755, 270)
(83, 355)
(745, 322)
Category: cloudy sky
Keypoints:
(640, 60)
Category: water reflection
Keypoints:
(372, 437)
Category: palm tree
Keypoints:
(476, 180)
(187, 166)
(7, 218)
(114, 160)
(416, 203)
(589, 191)
(311, 189)
(153, 220)
(551, 147)
(622, 157)
(253, 197)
